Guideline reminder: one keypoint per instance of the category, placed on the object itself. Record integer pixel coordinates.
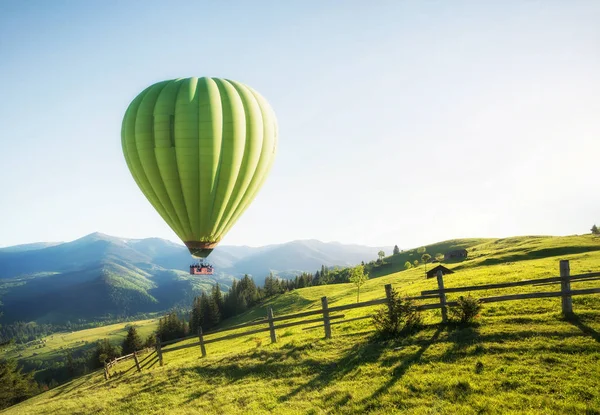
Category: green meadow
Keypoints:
(56, 345)
(519, 357)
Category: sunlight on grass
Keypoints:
(520, 356)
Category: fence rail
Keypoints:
(134, 356)
(566, 293)
(511, 284)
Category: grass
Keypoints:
(55, 345)
(520, 356)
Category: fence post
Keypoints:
(326, 323)
(137, 362)
(440, 281)
(201, 337)
(159, 351)
(388, 295)
(272, 326)
(106, 375)
(565, 286)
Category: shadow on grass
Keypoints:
(75, 384)
(146, 363)
(399, 371)
(580, 324)
(368, 352)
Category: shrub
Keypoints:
(401, 316)
(466, 310)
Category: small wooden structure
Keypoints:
(458, 253)
(433, 271)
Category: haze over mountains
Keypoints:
(100, 275)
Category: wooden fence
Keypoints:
(327, 319)
(566, 293)
(134, 356)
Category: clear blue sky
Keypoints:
(400, 122)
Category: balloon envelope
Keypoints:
(199, 149)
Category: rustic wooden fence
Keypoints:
(565, 292)
(326, 319)
(135, 356)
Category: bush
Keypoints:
(401, 316)
(466, 310)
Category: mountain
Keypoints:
(306, 255)
(100, 275)
(29, 247)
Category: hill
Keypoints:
(521, 356)
(104, 277)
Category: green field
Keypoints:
(520, 357)
(54, 346)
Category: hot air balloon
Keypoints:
(199, 149)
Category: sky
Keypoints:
(400, 122)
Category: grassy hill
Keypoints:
(53, 347)
(521, 356)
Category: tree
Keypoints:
(421, 250)
(209, 319)
(595, 230)
(381, 255)
(132, 341)
(358, 278)
(171, 327)
(217, 298)
(425, 259)
(105, 351)
(407, 265)
(14, 385)
(396, 250)
(416, 262)
(150, 341)
(196, 315)
(270, 286)
(325, 276)
(439, 256)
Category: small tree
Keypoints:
(421, 250)
(381, 255)
(467, 309)
(425, 258)
(439, 256)
(407, 265)
(401, 316)
(396, 250)
(358, 277)
(595, 230)
(132, 341)
(150, 340)
(416, 262)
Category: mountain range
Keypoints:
(100, 275)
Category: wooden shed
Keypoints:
(458, 253)
(433, 272)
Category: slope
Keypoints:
(521, 357)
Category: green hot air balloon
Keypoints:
(200, 150)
